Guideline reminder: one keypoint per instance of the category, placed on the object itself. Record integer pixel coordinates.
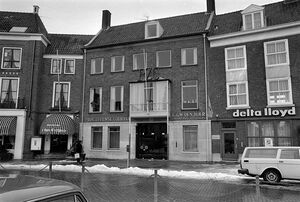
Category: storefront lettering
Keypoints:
(107, 119)
(187, 115)
(54, 130)
(264, 112)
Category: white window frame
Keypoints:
(92, 138)
(18, 87)
(157, 58)
(92, 98)
(290, 90)
(147, 29)
(244, 56)
(286, 51)
(93, 71)
(60, 65)
(53, 92)
(183, 56)
(135, 63)
(113, 63)
(66, 66)
(182, 87)
(252, 20)
(247, 95)
(3, 51)
(112, 109)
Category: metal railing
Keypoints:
(150, 106)
(18, 103)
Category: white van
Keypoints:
(271, 163)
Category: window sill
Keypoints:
(189, 65)
(96, 150)
(190, 109)
(96, 74)
(117, 71)
(116, 112)
(281, 105)
(238, 107)
(62, 109)
(190, 152)
(95, 112)
(113, 150)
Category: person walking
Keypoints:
(79, 155)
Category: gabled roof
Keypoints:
(67, 44)
(275, 13)
(9, 20)
(135, 32)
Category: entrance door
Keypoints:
(151, 141)
(59, 143)
(229, 146)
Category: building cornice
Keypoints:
(276, 31)
(14, 36)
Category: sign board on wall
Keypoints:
(268, 142)
(241, 113)
(36, 144)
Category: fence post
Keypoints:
(257, 188)
(50, 169)
(155, 186)
(82, 175)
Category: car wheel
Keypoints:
(272, 175)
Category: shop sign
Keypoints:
(187, 115)
(107, 119)
(54, 130)
(265, 112)
(268, 142)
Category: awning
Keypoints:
(8, 125)
(58, 124)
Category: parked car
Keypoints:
(271, 163)
(16, 188)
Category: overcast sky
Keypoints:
(85, 16)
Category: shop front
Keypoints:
(58, 132)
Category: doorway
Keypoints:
(151, 141)
(229, 146)
(59, 143)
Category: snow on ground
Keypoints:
(101, 168)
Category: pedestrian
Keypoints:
(79, 156)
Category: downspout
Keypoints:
(31, 79)
(83, 90)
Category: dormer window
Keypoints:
(253, 17)
(153, 30)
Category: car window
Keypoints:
(290, 154)
(261, 153)
(69, 198)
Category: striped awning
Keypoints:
(8, 125)
(58, 124)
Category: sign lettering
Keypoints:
(265, 112)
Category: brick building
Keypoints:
(254, 78)
(145, 87)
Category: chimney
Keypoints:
(210, 4)
(105, 19)
(36, 9)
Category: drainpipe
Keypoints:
(83, 90)
(31, 78)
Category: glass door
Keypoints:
(229, 146)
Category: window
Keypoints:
(9, 92)
(11, 58)
(139, 61)
(153, 30)
(276, 53)
(278, 131)
(235, 58)
(114, 137)
(253, 20)
(56, 66)
(237, 94)
(61, 95)
(116, 99)
(189, 56)
(97, 134)
(149, 88)
(163, 58)
(261, 153)
(95, 99)
(69, 66)
(279, 91)
(96, 65)
(189, 94)
(289, 154)
(190, 138)
(117, 63)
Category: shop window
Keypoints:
(190, 138)
(97, 134)
(139, 61)
(56, 66)
(70, 66)
(189, 94)
(276, 53)
(95, 99)
(235, 58)
(11, 58)
(97, 65)
(61, 95)
(117, 64)
(116, 99)
(163, 58)
(189, 56)
(275, 132)
(114, 137)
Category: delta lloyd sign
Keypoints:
(265, 112)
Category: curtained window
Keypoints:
(56, 66)
(114, 137)
(95, 99)
(190, 138)
(97, 134)
(276, 52)
(279, 91)
(117, 64)
(116, 99)
(139, 61)
(11, 58)
(61, 94)
(69, 66)
(189, 56)
(97, 65)
(235, 58)
(237, 94)
(189, 94)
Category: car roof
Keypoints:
(15, 188)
